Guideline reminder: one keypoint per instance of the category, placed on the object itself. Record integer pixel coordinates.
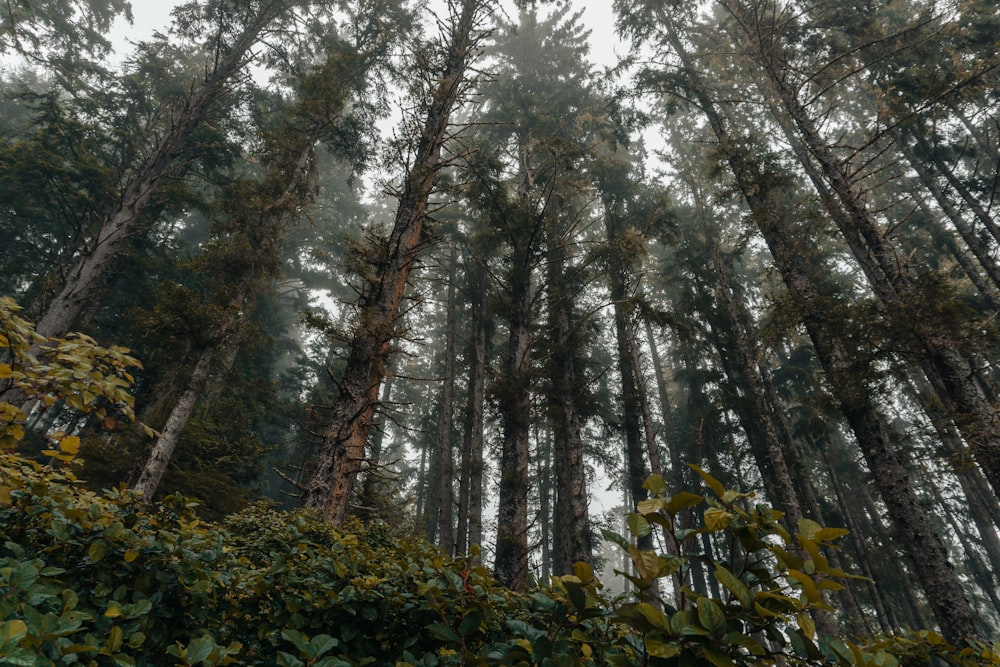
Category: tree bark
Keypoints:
(342, 451)
(446, 500)
(511, 564)
(263, 228)
(571, 541)
(122, 221)
(913, 527)
(470, 493)
(978, 418)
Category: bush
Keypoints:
(94, 579)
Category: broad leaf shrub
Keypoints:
(96, 579)
(76, 370)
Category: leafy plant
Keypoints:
(76, 370)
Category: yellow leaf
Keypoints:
(650, 505)
(70, 444)
(710, 481)
(808, 586)
(646, 562)
(131, 555)
(583, 571)
(716, 519)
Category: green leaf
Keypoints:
(614, 537)
(655, 484)
(300, 641)
(473, 619)
(716, 657)
(717, 488)
(322, 644)
(656, 618)
(638, 526)
(683, 623)
(199, 649)
(96, 552)
(288, 660)
(711, 617)
(809, 528)
(443, 632)
(659, 645)
(576, 595)
(734, 585)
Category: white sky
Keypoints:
(152, 15)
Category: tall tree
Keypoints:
(235, 40)
(343, 448)
(765, 190)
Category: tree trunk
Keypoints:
(264, 229)
(978, 418)
(972, 242)
(635, 460)
(886, 622)
(571, 542)
(342, 451)
(913, 527)
(159, 457)
(470, 493)
(511, 565)
(83, 281)
(446, 501)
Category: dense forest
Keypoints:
(437, 286)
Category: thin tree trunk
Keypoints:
(471, 479)
(342, 451)
(977, 209)
(635, 461)
(166, 443)
(511, 564)
(913, 528)
(446, 501)
(886, 622)
(571, 542)
(964, 230)
(543, 468)
(84, 279)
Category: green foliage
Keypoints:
(93, 577)
(96, 579)
(773, 586)
(86, 377)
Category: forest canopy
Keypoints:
(685, 358)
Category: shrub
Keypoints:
(95, 579)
